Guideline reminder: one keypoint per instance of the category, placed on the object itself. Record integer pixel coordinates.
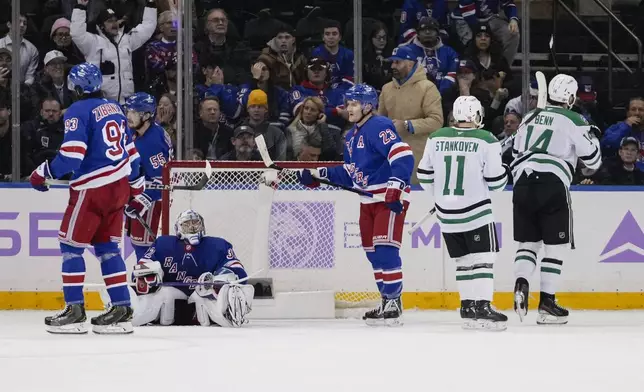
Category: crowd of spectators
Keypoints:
(263, 76)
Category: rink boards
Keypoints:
(606, 271)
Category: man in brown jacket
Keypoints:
(411, 101)
(287, 66)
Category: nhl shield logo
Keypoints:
(477, 238)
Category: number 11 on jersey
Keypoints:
(460, 169)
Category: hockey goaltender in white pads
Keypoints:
(220, 299)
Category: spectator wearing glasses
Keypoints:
(377, 71)
(28, 53)
(53, 82)
(61, 40)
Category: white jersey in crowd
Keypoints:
(461, 166)
(552, 142)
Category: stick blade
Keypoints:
(263, 150)
(542, 85)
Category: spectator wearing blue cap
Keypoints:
(411, 101)
(621, 169)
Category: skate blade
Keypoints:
(113, 329)
(394, 322)
(374, 322)
(69, 329)
(494, 326)
(548, 319)
(469, 324)
(519, 306)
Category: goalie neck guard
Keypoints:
(190, 227)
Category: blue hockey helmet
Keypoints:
(142, 103)
(190, 227)
(85, 78)
(364, 94)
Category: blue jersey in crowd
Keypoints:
(155, 150)
(476, 11)
(331, 95)
(341, 63)
(441, 63)
(97, 146)
(182, 262)
(373, 153)
(227, 96)
(413, 10)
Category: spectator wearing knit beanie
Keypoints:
(257, 108)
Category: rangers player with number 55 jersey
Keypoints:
(375, 160)
(97, 148)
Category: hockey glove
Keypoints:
(309, 177)
(395, 188)
(138, 205)
(39, 177)
(147, 276)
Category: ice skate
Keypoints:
(550, 312)
(468, 314)
(374, 317)
(488, 318)
(116, 320)
(392, 312)
(521, 293)
(70, 320)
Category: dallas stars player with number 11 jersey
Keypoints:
(460, 166)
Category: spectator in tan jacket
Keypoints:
(411, 101)
(287, 66)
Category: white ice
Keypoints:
(596, 351)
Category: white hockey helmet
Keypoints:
(563, 89)
(190, 227)
(468, 109)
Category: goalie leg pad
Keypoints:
(525, 260)
(230, 308)
(157, 306)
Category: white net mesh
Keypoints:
(290, 233)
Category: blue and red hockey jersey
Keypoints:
(413, 10)
(182, 262)
(441, 63)
(341, 63)
(477, 11)
(373, 153)
(331, 95)
(97, 146)
(155, 150)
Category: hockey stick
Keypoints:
(422, 220)
(542, 100)
(551, 45)
(184, 284)
(263, 151)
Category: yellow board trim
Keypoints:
(23, 300)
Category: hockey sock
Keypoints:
(389, 259)
(463, 277)
(377, 269)
(73, 274)
(525, 260)
(482, 275)
(140, 250)
(114, 273)
(551, 266)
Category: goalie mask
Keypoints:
(190, 227)
(563, 90)
(468, 109)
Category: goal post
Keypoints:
(293, 235)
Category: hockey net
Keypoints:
(291, 234)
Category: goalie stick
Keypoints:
(263, 151)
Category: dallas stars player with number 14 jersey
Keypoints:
(546, 151)
(461, 165)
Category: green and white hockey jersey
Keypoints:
(552, 142)
(460, 166)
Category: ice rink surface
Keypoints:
(596, 351)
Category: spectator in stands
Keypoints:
(43, 136)
(287, 66)
(515, 105)
(159, 52)
(61, 40)
(470, 14)
(196, 154)
(165, 82)
(210, 136)
(339, 57)
(28, 53)
(310, 120)
(244, 146)
(214, 86)
(167, 115)
(586, 103)
(440, 61)
(5, 137)
(486, 53)
(487, 89)
(233, 54)
(111, 47)
(310, 149)
(317, 85)
(511, 121)
(29, 101)
(411, 101)
(257, 119)
(622, 169)
(53, 82)
(631, 126)
(376, 70)
(414, 10)
(279, 111)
